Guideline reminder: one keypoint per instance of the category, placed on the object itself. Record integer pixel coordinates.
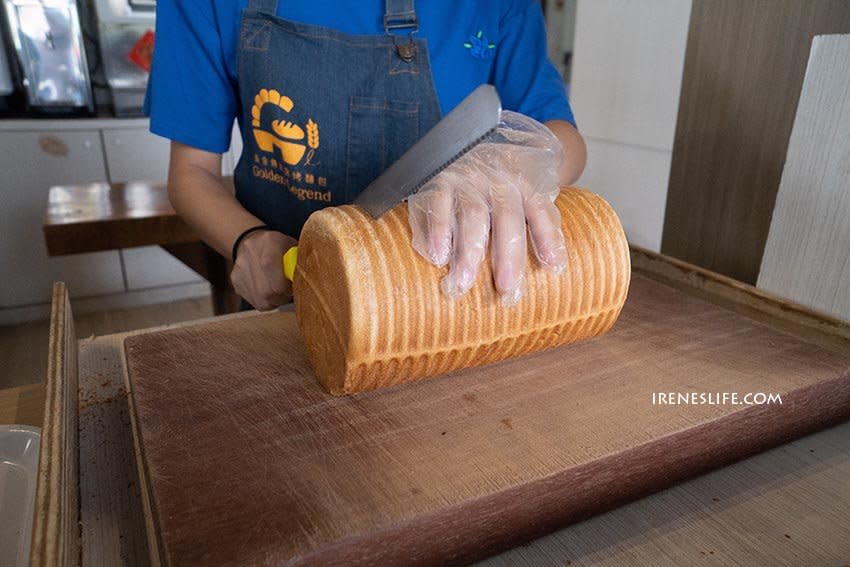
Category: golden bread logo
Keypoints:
(287, 137)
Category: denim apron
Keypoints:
(323, 112)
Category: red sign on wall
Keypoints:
(142, 51)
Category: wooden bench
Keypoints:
(103, 216)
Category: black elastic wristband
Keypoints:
(242, 236)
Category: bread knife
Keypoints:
(460, 131)
(467, 125)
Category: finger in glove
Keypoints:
(509, 245)
(431, 218)
(547, 238)
(469, 241)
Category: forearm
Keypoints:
(204, 200)
(575, 152)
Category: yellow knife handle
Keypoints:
(290, 258)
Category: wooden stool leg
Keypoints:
(225, 300)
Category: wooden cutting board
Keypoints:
(248, 461)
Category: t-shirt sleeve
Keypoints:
(526, 80)
(190, 97)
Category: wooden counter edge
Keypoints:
(154, 548)
(783, 314)
(56, 528)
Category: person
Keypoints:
(327, 94)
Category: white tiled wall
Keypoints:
(627, 75)
(634, 181)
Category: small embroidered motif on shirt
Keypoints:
(479, 47)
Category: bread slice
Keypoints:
(372, 313)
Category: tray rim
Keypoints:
(778, 312)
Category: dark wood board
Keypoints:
(100, 216)
(248, 461)
(743, 72)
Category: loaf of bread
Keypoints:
(372, 313)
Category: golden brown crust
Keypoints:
(372, 314)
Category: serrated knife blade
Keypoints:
(460, 131)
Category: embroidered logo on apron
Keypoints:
(289, 145)
(479, 47)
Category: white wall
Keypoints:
(807, 254)
(560, 30)
(626, 79)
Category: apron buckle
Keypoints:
(407, 51)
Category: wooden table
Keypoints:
(787, 506)
(100, 216)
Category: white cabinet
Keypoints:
(151, 266)
(38, 154)
(31, 162)
(134, 154)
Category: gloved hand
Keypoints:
(503, 184)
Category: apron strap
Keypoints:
(400, 15)
(264, 6)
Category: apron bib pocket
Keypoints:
(379, 132)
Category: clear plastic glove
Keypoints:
(492, 193)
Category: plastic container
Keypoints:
(19, 446)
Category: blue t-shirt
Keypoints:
(193, 97)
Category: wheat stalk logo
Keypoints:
(312, 134)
